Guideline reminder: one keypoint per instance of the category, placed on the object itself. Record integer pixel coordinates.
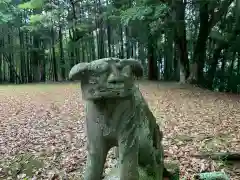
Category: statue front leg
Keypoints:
(159, 163)
(96, 157)
(97, 150)
(128, 160)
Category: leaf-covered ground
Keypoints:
(42, 131)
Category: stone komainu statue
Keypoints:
(118, 115)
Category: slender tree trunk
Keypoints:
(74, 34)
(43, 70)
(141, 54)
(169, 54)
(101, 30)
(54, 60)
(213, 66)
(222, 77)
(28, 74)
(121, 55)
(230, 86)
(128, 50)
(1, 69)
(62, 61)
(1, 59)
(22, 56)
(238, 65)
(180, 39)
(10, 60)
(109, 38)
(35, 59)
(93, 48)
(109, 35)
(177, 64)
(152, 62)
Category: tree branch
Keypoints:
(215, 16)
(229, 156)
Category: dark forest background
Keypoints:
(190, 41)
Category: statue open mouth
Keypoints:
(115, 85)
(111, 87)
(112, 90)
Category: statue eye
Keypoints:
(126, 70)
(101, 68)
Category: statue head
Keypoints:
(107, 78)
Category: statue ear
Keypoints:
(135, 65)
(77, 71)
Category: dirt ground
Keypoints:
(46, 121)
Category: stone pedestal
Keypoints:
(114, 174)
(172, 167)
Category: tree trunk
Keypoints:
(54, 60)
(152, 62)
(223, 78)
(127, 46)
(109, 35)
(10, 59)
(100, 36)
(121, 53)
(142, 56)
(22, 56)
(238, 65)
(168, 64)
(213, 66)
(62, 61)
(43, 70)
(1, 69)
(1, 59)
(93, 48)
(35, 59)
(230, 86)
(200, 49)
(74, 35)
(181, 41)
(109, 38)
(28, 68)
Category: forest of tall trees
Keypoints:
(191, 41)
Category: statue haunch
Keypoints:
(118, 115)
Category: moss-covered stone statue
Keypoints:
(118, 115)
